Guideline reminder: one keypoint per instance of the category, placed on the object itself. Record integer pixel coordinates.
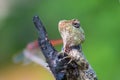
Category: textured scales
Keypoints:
(73, 35)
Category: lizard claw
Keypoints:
(68, 57)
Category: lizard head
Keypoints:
(71, 32)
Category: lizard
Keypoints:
(73, 36)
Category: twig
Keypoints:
(48, 50)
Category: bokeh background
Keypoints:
(100, 20)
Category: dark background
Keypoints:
(100, 20)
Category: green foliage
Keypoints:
(99, 18)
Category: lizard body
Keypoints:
(73, 35)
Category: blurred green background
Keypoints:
(100, 20)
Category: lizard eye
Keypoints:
(76, 25)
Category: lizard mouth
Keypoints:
(61, 24)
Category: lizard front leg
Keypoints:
(82, 63)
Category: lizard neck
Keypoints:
(67, 49)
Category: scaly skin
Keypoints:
(73, 35)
